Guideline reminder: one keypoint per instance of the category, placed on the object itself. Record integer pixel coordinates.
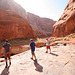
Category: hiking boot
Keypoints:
(10, 63)
(32, 58)
(46, 51)
(6, 66)
(35, 60)
(50, 52)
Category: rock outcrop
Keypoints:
(66, 23)
(60, 62)
(41, 26)
(13, 26)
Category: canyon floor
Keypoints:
(60, 62)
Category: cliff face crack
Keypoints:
(66, 62)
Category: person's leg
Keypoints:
(47, 49)
(9, 58)
(9, 61)
(6, 61)
(32, 54)
(50, 49)
(35, 57)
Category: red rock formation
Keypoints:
(41, 26)
(66, 23)
(13, 26)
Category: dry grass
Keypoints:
(18, 42)
(27, 41)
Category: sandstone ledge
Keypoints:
(59, 62)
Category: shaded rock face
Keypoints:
(13, 26)
(66, 23)
(41, 26)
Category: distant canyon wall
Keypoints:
(42, 26)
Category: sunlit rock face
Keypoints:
(13, 26)
(41, 26)
(66, 24)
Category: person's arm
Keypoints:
(10, 49)
(49, 43)
(1, 51)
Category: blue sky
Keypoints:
(52, 9)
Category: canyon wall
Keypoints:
(41, 26)
(13, 26)
(66, 24)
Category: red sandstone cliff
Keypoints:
(41, 26)
(13, 26)
(66, 23)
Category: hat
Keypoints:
(31, 39)
(6, 40)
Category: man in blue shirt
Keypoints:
(7, 52)
(32, 44)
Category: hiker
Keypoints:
(7, 48)
(32, 45)
(48, 45)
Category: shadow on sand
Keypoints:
(5, 71)
(54, 54)
(38, 66)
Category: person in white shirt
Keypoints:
(48, 45)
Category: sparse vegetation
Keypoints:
(26, 41)
(20, 41)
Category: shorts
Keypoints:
(7, 55)
(48, 47)
(32, 52)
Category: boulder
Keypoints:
(40, 44)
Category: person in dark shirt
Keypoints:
(32, 45)
(7, 52)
